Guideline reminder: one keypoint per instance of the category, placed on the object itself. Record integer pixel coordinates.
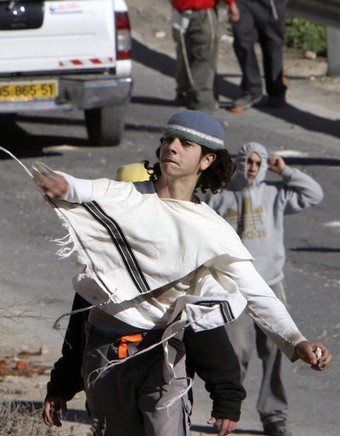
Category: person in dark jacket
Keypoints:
(208, 353)
(221, 377)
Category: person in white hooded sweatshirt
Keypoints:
(255, 207)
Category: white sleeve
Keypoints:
(263, 306)
(78, 190)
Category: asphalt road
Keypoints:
(36, 287)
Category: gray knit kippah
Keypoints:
(198, 127)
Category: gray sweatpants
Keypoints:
(124, 400)
(196, 51)
(272, 402)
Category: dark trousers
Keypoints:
(260, 21)
(131, 398)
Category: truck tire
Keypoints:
(105, 126)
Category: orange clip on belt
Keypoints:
(123, 343)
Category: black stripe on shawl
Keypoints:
(121, 244)
(226, 312)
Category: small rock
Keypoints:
(44, 349)
(310, 54)
(160, 34)
(227, 38)
(21, 364)
(3, 367)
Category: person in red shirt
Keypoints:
(195, 32)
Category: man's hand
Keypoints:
(226, 427)
(51, 411)
(276, 164)
(307, 351)
(52, 184)
(234, 13)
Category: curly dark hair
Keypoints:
(216, 177)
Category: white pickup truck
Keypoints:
(66, 54)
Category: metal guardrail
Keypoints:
(326, 12)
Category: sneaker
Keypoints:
(245, 102)
(276, 102)
(276, 428)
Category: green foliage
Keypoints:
(306, 35)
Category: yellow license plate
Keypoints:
(27, 91)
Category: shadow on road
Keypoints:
(59, 121)
(144, 128)
(167, 66)
(247, 431)
(23, 144)
(153, 59)
(208, 429)
(312, 161)
(316, 249)
(305, 120)
(152, 101)
(25, 407)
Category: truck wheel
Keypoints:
(105, 126)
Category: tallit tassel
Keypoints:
(66, 245)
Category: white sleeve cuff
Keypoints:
(78, 191)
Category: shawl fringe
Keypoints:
(66, 245)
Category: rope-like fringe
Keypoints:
(66, 245)
(56, 324)
(180, 395)
(18, 161)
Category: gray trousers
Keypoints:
(196, 51)
(272, 402)
(124, 401)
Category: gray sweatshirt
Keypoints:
(256, 210)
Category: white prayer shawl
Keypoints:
(156, 261)
(136, 246)
(189, 287)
